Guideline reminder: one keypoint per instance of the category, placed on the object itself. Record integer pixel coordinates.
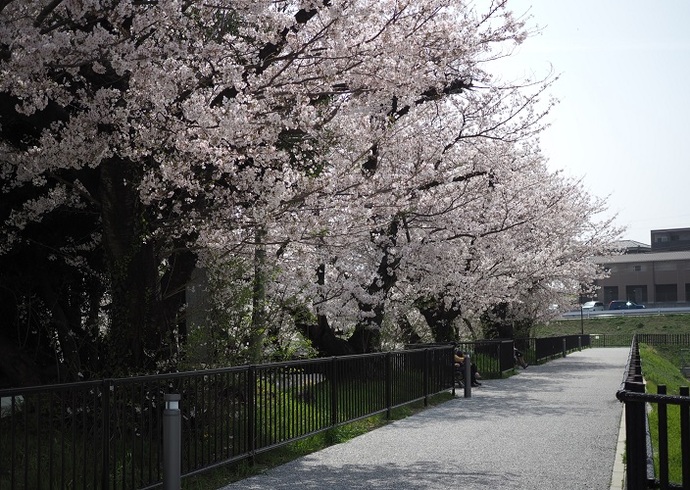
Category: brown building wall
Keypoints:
(646, 282)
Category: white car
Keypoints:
(593, 306)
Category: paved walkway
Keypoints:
(553, 426)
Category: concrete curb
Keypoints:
(618, 476)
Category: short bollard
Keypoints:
(172, 442)
(468, 376)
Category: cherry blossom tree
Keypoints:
(502, 229)
(348, 151)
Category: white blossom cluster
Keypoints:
(321, 122)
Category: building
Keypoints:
(677, 239)
(658, 275)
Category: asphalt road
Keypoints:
(553, 426)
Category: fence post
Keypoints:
(389, 383)
(663, 438)
(251, 412)
(334, 391)
(426, 377)
(565, 347)
(172, 442)
(468, 375)
(105, 392)
(636, 439)
(685, 437)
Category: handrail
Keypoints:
(632, 392)
(106, 434)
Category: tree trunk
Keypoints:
(17, 369)
(440, 317)
(134, 336)
(320, 333)
(68, 329)
(367, 334)
(409, 335)
(173, 291)
(258, 328)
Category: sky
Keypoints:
(624, 89)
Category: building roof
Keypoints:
(666, 230)
(646, 257)
(629, 246)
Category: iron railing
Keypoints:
(624, 340)
(548, 348)
(487, 355)
(108, 434)
(494, 358)
(539, 350)
(610, 340)
(640, 474)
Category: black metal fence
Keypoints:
(492, 357)
(624, 340)
(551, 347)
(640, 473)
(108, 434)
(539, 350)
(610, 340)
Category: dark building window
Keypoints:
(637, 268)
(666, 293)
(636, 294)
(611, 294)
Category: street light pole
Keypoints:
(582, 321)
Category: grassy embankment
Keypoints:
(660, 367)
(672, 324)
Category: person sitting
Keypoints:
(520, 358)
(459, 358)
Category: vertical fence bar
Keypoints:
(636, 443)
(452, 372)
(468, 375)
(388, 388)
(685, 437)
(25, 416)
(51, 448)
(13, 451)
(663, 439)
(251, 409)
(426, 376)
(334, 391)
(105, 442)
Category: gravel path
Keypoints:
(553, 426)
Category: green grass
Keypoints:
(615, 325)
(661, 370)
(235, 472)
